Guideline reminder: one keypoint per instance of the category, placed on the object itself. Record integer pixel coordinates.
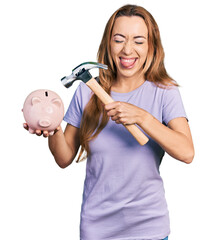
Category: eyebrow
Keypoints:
(121, 35)
(118, 34)
(140, 37)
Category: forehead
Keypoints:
(133, 25)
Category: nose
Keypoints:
(128, 48)
(44, 123)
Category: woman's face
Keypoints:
(129, 46)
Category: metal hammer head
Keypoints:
(81, 72)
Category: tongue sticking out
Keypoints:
(127, 62)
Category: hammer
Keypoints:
(81, 72)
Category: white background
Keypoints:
(41, 41)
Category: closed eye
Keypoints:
(139, 42)
(139, 39)
(118, 41)
(119, 38)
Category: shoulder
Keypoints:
(81, 96)
(162, 90)
(76, 107)
(160, 87)
(83, 92)
(83, 89)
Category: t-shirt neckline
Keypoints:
(113, 93)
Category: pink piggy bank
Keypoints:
(43, 110)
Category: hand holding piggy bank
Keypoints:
(43, 110)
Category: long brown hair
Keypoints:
(94, 118)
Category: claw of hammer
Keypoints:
(81, 73)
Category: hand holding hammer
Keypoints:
(81, 72)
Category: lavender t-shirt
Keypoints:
(123, 197)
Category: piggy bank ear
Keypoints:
(35, 100)
(57, 102)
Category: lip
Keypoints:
(127, 63)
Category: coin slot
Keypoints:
(46, 94)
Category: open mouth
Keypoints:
(127, 62)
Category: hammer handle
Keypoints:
(105, 98)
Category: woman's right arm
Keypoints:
(64, 145)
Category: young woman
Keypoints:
(123, 195)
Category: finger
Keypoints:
(114, 118)
(38, 132)
(118, 115)
(58, 128)
(122, 120)
(112, 105)
(25, 125)
(118, 121)
(111, 113)
(45, 134)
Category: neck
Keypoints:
(127, 84)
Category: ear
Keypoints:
(57, 102)
(35, 100)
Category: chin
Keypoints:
(129, 73)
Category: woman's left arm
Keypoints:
(175, 138)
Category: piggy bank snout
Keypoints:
(44, 123)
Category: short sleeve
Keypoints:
(75, 110)
(172, 105)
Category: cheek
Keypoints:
(144, 52)
(115, 51)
